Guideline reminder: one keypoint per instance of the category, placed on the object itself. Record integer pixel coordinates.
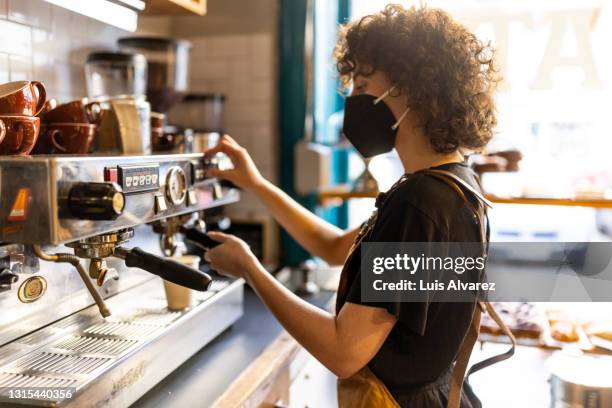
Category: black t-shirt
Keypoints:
(425, 340)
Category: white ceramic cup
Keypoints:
(179, 297)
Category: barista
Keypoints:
(422, 84)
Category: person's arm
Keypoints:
(316, 235)
(319, 237)
(343, 343)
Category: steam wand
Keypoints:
(74, 261)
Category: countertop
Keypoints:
(210, 372)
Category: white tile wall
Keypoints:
(32, 13)
(20, 68)
(16, 38)
(4, 68)
(243, 68)
(48, 43)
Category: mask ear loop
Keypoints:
(384, 95)
(403, 115)
(396, 125)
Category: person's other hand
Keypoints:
(233, 257)
(244, 174)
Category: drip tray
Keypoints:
(113, 361)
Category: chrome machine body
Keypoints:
(61, 216)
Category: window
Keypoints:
(554, 104)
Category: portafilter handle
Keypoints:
(199, 237)
(165, 268)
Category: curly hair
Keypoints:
(448, 75)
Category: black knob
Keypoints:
(96, 201)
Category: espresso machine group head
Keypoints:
(99, 247)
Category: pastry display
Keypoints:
(564, 331)
(523, 319)
(601, 330)
(556, 328)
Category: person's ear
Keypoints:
(396, 92)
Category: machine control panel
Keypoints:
(137, 178)
(176, 181)
(114, 191)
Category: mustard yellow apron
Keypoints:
(363, 389)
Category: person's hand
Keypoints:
(233, 257)
(245, 173)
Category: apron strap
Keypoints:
(460, 182)
(500, 357)
(463, 358)
(467, 344)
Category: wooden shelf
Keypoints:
(343, 193)
(568, 202)
(166, 7)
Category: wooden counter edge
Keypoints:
(263, 372)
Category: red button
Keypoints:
(111, 175)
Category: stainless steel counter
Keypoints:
(211, 371)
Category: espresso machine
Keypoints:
(83, 243)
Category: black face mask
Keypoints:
(370, 125)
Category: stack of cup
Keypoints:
(20, 103)
(159, 141)
(69, 128)
(179, 297)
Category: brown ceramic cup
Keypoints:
(162, 141)
(2, 131)
(66, 138)
(21, 134)
(21, 98)
(157, 120)
(49, 104)
(78, 111)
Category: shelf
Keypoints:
(342, 193)
(568, 202)
(345, 194)
(166, 7)
(119, 13)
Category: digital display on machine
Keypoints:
(138, 178)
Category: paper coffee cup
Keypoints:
(179, 297)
